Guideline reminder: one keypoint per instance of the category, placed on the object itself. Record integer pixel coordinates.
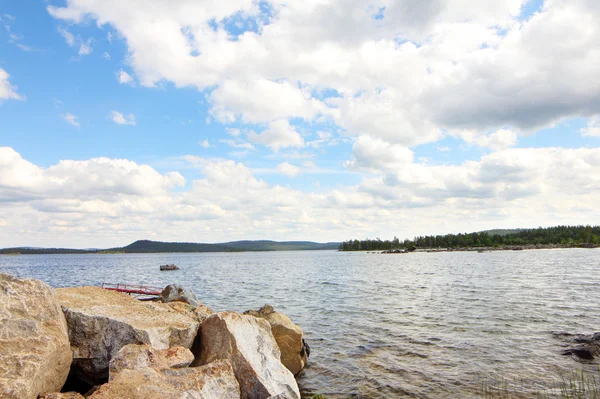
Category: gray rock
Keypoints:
(35, 355)
(289, 337)
(142, 372)
(177, 293)
(247, 342)
(101, 322)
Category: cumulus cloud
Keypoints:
(377, 155)
(407, 76)
(124, 78)
(204, 143)
(592, 129)
(280, 134)
(7, 91)
(121, 119)
(71, 119)
(498, 140)
(106, 202)
(288, 169)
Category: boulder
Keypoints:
(134, 357)
(62, 395)
(199, 312)
(101, 322)
(294, 349)
(177, 293)
(247, 342)
(35, 355)
(142, 372)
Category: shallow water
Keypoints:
(420, 325)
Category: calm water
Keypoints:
(422, 325)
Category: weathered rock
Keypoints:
(294, 350)
(35, 355)
(135, 357)
(141, 372)
(588, 347)
(177, 293)
(200, 312)
(62, 395)
(101, 322)
(248, 343)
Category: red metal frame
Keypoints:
(133, 289)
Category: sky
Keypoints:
(323, 120)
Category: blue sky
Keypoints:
(321, 106)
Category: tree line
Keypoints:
(558, 235)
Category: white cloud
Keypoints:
(110, 202)
(235, 132)
(106, 56)
(121, 119)
(280, 134)
(124, 77)
(68, 36)
(375, 154)
(7, 91)
(204, 143)
(239, 144)
(71, 119)
(288, 169)
(423, 69)
(592, 129)
(85, 46)
(498, 140)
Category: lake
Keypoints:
(419, 325)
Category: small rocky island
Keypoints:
(72, 343)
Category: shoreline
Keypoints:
(480, 249)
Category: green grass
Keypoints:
(576, 385)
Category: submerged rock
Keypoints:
(142, 372)
(294, 349)
(587, 348)
(247, 342)
(35, 355)
(101, 322)
(177, 293)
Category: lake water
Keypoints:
(420, 325)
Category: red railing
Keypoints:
(133, 289)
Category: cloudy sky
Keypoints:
(321, 120)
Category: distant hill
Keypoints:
(147, 246)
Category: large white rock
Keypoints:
(142, 372)
(294, 350)
(101, 322)
(35, 355)
(247, 342)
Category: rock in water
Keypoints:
(294, 350)
(101, 322)
(35, 355)
(247, 342)
(142, 372)
(177, 293)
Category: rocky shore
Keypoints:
(72, 343)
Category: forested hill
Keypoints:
(560, 235)
(147, 246)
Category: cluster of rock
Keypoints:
(582, 347)
(125, 348)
